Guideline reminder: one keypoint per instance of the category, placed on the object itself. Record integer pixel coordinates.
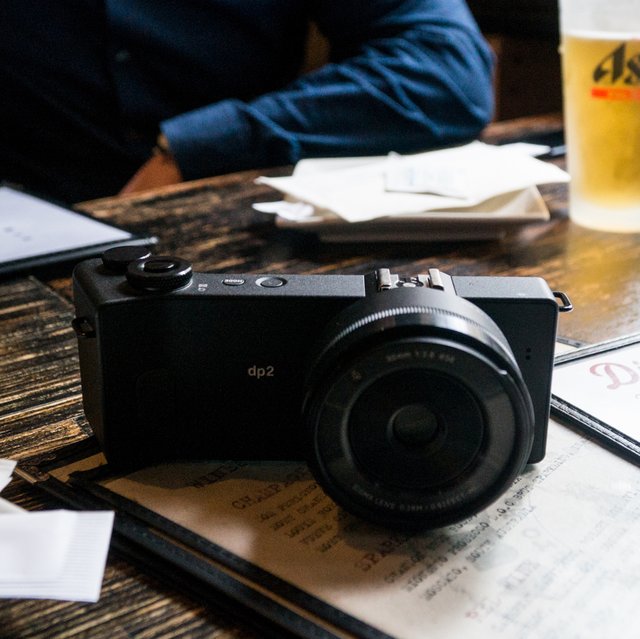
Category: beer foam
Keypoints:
(585, 34)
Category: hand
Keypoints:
(160, 169)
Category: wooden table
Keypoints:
(211, 223)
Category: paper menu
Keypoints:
(31, 226)
(558, 551)
(606, 386)
(35, 232)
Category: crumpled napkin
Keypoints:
(456, 178)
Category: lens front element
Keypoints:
(414, 428)
(421, 419)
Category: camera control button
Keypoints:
(159, 273)
(271, 282)
(234, 281)
(117, 259)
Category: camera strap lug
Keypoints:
(565, 303)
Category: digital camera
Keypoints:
(415, 400)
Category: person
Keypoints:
(90, 86)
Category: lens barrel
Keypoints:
(416, 413)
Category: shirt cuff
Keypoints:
(227, 136)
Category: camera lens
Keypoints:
(413, 428)
(414, 425)
(416, 411)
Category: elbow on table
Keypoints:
(467, 99)
(448, 88)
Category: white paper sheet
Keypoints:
(6, 470)
(33, 546)
(54, 554)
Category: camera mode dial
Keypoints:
(118, 258)
(159, 273)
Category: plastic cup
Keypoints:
(600, 47)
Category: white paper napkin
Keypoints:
(455, 178)
(54, 554)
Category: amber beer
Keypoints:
(601, 74)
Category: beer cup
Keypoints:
(600, 48)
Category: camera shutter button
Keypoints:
(159, 273)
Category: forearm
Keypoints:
(406, 88)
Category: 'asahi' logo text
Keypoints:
(616, 72)
(617, 66)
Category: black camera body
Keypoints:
(416, 401)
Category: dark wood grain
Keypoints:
(212, 224)
(40, 410)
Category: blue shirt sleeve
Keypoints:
(406, 75)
